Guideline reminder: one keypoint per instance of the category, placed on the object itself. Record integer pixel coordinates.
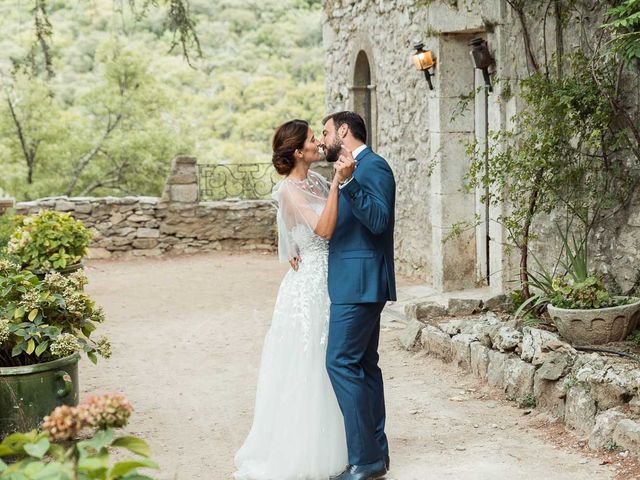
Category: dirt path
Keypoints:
(187, 335)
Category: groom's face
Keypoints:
(331, 141)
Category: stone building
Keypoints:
(424, 133)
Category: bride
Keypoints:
(298, 430)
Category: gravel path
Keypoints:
(187, 334)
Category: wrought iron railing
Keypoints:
(248, 181)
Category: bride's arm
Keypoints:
(329, 217)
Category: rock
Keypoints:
(479, 359)
(461, 347)
(410, 336)
(139, 218)
(602, 433)
(98, 253)
(634, 405)
(148, 233)
(153, 252)
(518, 378)
(627, 436)
(534, 342)
(84, 208)
(610, 385)
(556, 365)
(499, 303)
(455, 326)
(580, 410)
(437, 343)
(143, 243)
(506, 339)
(424, 311)
(120, 241)
(550, 395)
(184, 193)
(485, 329)
(65, 206)
(463, 306)
(495, 371)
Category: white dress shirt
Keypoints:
(355, 153)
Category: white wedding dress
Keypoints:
(298, 430)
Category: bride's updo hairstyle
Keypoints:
(289, 137)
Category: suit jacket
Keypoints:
(361, 266)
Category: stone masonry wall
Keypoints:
(175, 223)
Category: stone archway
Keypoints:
(363, 88)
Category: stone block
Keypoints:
(557, 364)
(602, 433)
(610, 384)
(424, 311)
(85, 208)
(495, 371)
(627, 436)
(437, 343)
(534, 341)
(139, 218)
(120, 241)
(550, 395)
(183, 179)
(479, 359)
(153, 252)
(499, 303)
(184, 193)
(518, 378)
(580, 410)
(98, 253)
(145, 243)
(65, 206)
(148, 233)
(455, 326)
(506, 339)
(410, 336)
(461, 349)
(464, 306)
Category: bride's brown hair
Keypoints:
(289, 137)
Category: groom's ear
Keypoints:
(342, 131)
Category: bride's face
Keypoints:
(311, 150)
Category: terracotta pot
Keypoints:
(596, 326)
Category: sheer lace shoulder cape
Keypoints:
(300, 204)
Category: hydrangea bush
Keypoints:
(56, 452)
(41, 320)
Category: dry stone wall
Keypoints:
(177, 222)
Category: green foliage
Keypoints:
(41, 320)
(121, 104)
(8, 224)
(585, 294)
(624, 25)
(528, 401)
(49, 240)
(37, 455)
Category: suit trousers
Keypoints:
(352, 365)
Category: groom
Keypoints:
(361, 280)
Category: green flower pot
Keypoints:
(28, 394)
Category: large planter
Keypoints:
(28, 394)
(596, 326)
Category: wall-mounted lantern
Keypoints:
(482, 59)
(424, 61)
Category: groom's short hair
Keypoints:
(352, 120)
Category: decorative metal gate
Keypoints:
(248, 181)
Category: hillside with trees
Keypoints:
(104, 107)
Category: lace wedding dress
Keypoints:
(298, 430)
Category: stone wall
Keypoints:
(596, 396)
(175, 223)
(422, 132)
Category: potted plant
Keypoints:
(44, 324)
(580, 306)
(49, 241)
(57, 453)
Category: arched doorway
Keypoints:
(363, 94)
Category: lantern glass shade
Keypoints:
(423, 60)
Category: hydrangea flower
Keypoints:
(4, 330)
(107, 411)
(66, 344)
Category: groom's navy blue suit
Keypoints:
(361, 280)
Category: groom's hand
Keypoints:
(345, 165)
(295, 262)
